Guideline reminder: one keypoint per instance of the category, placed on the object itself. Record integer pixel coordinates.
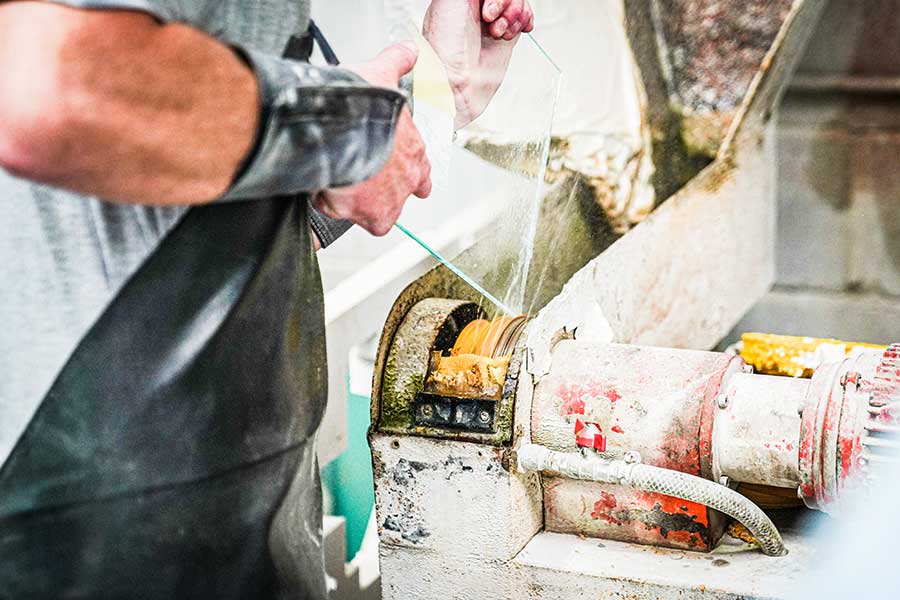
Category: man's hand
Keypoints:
(507, 18)
(475, 40)
(375, 204)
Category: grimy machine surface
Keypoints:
(596, 449)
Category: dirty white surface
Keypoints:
(449, 518)
(452, 498)
(563, 566)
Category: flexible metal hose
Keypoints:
(532, 457)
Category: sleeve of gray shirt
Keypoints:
(320, 128)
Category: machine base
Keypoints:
(562, 566)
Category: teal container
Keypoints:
(349, 477)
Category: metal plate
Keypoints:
(449, 412)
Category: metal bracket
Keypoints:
(450, 412)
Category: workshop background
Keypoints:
(838, 238)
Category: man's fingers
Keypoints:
(498, 28)
(323, 203)
(516, 17)
(493, 9)
(398, 59)
(526, 20)
(514, 11)
(423, 190)
(376, 227)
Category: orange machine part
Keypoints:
(481, 336)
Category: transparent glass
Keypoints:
(493, 171)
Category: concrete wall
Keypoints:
(838, 239)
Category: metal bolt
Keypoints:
(427, 411)
(724, 480)
(484, 417)
(747, 369)
(631, 457)
(722, 400)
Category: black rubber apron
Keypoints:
(157, 462)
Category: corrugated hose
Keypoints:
(533, 457)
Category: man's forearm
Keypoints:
(116, 105)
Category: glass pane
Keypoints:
(494, 165)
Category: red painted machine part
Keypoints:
(655, 401)
(589, 435)
(832, 429)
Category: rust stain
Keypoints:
(677, 506)
(603, 507)
(740, 532)
(673, 527)
(647, 518)
(688, 538)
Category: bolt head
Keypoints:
(747, 369)
(724, 480)
(484, 417)
(427, 410)
(722, 400)
(631, 457)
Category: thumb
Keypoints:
(399, 59)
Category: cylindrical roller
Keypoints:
(756, 429)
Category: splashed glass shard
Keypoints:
(494, 163)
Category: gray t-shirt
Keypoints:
(64, 256)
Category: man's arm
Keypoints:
(117, 105)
